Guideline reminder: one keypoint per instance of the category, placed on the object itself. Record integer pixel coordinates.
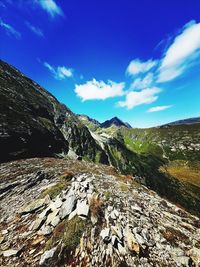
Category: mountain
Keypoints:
(185, 121)
(33, 123)
(116, 122)
(59, 210)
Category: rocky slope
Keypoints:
(166, 160)
(34, 123)
(70, 213)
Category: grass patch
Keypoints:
(107, 194)
(123, 187)
(64, 182)
(67, 232)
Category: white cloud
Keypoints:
(99, 90)
(182, 53)
(134, 98)
(50, 7)
(136, 66)
(9, 29)
(60, 72)
(158, 108)
(34, 29)
(141, 83)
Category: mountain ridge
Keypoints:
(115, 121)
(183, 121)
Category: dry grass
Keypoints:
(174, 236)
(123, 187)
(182, 173)
(96, 205)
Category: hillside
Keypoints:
(69, 213)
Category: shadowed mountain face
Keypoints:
(28, 118)
(34, 123)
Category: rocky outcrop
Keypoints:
(96, 218)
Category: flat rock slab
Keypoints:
(10, 252)
(47, 255)
(82, 208)
(67, 206)
(38, 203)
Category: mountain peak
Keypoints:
(115, 121)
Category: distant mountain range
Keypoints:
(184, 121)
(113, 122)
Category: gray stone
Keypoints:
(82, 208)
(182, 260)
(121, 249)
(105, 234)
(47, 255)
(194, 253)
(67, 206)
(38, 203)
(44, 213)
(51, 216)
(132, 243)
(56, 204)
(37, 224)
(45, 230)
(114, 214)
(10, 252)
(72, 214)
(55, 221)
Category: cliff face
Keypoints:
(34, 123)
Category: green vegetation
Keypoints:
(108, 194)
(64, 182)
(167, 158)
(67, 232)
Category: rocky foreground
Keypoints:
(69, 213)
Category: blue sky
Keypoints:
(132, 59)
